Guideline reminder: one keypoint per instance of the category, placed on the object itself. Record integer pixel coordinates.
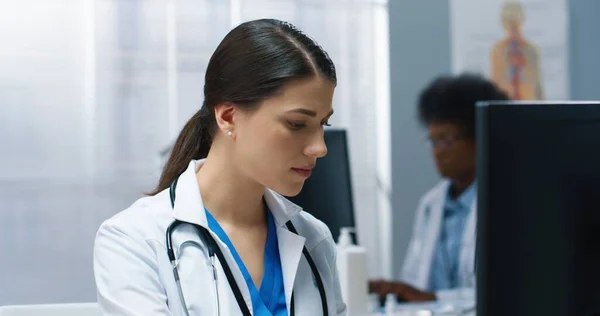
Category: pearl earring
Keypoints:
(229, 133)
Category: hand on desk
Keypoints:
(403, 291)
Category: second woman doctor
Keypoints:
(217, 237)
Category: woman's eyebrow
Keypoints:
(308, 112)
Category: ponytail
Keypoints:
(192, 143)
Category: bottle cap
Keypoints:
(345, 239)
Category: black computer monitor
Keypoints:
(538, 170)
(327, 194)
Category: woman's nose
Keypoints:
(317, 148)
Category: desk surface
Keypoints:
(446, 308)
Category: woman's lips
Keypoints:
(303, 172)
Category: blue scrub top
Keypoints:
(270, 298)
(446, 258)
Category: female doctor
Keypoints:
(216, 237)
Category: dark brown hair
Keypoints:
(252, 63)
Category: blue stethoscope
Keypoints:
(215, 253)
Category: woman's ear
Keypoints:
(224, 116)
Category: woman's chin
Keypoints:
(290, 190)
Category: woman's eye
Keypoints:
(326, 124)
(296, 125)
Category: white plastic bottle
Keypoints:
(353, 274)
(390, 304)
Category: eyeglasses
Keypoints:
(444, 142)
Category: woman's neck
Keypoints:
(229, 196)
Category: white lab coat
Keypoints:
(428, 222)
(134, 276)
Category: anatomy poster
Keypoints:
(520, 45)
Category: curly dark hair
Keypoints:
(451, 99)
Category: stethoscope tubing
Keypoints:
(214, 253)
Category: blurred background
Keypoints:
(92, 91)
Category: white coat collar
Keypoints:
(433, 214)
(189, 206)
